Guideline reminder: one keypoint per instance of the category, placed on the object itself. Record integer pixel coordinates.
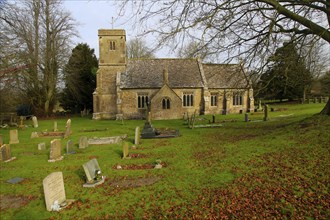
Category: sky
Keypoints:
(101, 14)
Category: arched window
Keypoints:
(214, 99)
(166, 103)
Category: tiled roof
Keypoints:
(224, 76)
(148, 73)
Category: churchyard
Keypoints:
(239, 169)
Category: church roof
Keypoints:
(148, 73)
(182, 73)
(224, 76)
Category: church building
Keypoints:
(168, 88)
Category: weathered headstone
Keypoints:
(69, 147)
(93, 174)
(83, 142)
(21, 124)
(107, 140)
(13, 137)
(246, 117)
(34, 134)
(125, 151)
(137, 136)
(1, 140)
(42, 146)
(68, 129)
(5, 153)
(55, 151)
(266, 112)
(260, 106)
(35, 121)
(54, 192)
(55, 126)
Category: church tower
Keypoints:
(112, 60)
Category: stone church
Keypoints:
(168, 88)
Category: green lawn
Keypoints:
(278, 168)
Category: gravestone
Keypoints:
(34, 134)
(69, 147)
(42, 146)
(54, 192)
(137, 136)
(55, 151)
(21, 124)
(246, 117)
(266, 112)
(35, 121)
(55, 126)
(83, 142)
(1, 140)
(68, 129)
(93, 174)
(125, 151)
(5, 153)
(13, 137)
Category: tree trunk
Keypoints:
(326, 109)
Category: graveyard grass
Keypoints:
(276, 168)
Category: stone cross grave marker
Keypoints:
(55, 151)
(13, 137)
(68, 129)
(93, 173)
(125, 151)
(54, 192)
(83, 142)
(42, 146)
(5, 153)
(35, 121)
(55, 126)
(137, 136)
(69, 147)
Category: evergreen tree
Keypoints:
(287, 76)
(80, 79)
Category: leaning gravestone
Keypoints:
(93, 174)
(137, 136)
(83, 142)
(125, 151)
(54, 192)
(13, 137)
(68, 129)
(5, 153)
(42, 146)
(69, 147)
(55, 151)
(35, 121)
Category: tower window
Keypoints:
(166, 103)
(112, 45)
(214, 99)
(142, 101)
(188, 99)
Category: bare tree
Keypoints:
(37, 35)
(193, 50)
(249, 30)
(137, 48)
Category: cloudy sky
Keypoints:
(102, 14)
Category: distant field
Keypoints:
(273, 169)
